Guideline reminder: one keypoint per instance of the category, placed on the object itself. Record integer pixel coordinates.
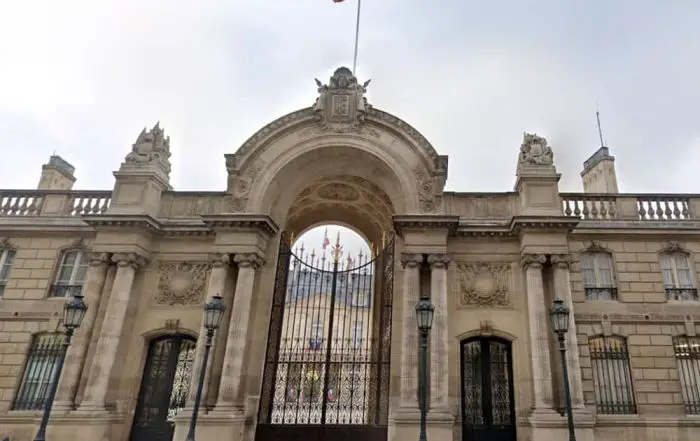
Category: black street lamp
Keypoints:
(73, 313)
(213, 313)
(559, 315)
(424, 316)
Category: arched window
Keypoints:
(71, 274)
(679, 280)
(612, 376)
(7, 258)
(687, 352)
(44, 353)
(598, 275)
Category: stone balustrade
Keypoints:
(53, 202)
(641, 207)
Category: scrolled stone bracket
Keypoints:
(439, 261)
(411, 260)
(134, 260)
(533, 260)
(249, 260)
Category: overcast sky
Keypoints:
(82, 78)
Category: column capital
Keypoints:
(220, 260)
(562, 261)
(99, 259)
(134, 260)
(532, 260)
(248, 260)
(411, 260)
(439, 261)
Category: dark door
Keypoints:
(326, 373)
(164, 387)
(488, 411)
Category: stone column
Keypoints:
(439, 334)
(77, 351)
(111, 331)
(562, 289)
(409, 333)
(221, 267)
(539, 338)
(229, 399)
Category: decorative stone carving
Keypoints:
(411, 260)
(248, 260)
(99, 259)
(78, 243)
(484, 284)
(338, 192)
(182, 283)
(129, 259)
(6, 244)
(535, 151)
(151, 147)
(673, 247)
(438, 260)
(536, 260)
(596, 247)
(562, 261)
(341, 105)
(429, 199)
(220, 260)
(241, 183)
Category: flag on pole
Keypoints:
(357, 33)
(326, 240)
(338, 1)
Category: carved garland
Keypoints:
(182, 283)
(484, 284)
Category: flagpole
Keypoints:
(357, 36)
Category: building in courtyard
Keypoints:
(321, 348)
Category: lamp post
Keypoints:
(424, 316)
(559, 315)
(73, 313)
(213, 313)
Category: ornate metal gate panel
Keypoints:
(164, 387)
(326, 371)
(488, 410)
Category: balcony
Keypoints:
(637, 207)
(53, 202)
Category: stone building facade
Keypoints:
(147, 258)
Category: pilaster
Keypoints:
(409, 335)
(439, 374)
(111, 331)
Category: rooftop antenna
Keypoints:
(600, 131)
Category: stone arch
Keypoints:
(340, 135)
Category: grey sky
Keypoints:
(84, 77)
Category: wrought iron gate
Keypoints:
(164, 387)
(488, 410)
(326, 370)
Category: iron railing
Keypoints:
(687, 351)
(612, 376)
(681, 293)
(59, 290)
(44, 354)
(601, 292)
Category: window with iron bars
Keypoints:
(7, 258)
(598, 276)
(687, 351)
(612, 376)
(45, 352)
(678, 277)
(71, 274)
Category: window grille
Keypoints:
(612, 376)
(687, 351)
(39, 371)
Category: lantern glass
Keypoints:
(559, 315)
(74, 311)
(214, 312)
(424, 314)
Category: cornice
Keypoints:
(634, 318)
(405, 222)
(223, 222)
(519, 224)
(121, 222)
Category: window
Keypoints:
(687, 351)
(597, 274)
(316, 338)
(7, 258)
(71, 274)
(678, 279)
(612, 376)
(357, 334)
(42, 361)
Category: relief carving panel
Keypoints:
(181, 283)
(484, 285)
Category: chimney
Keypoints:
(56, 175)
(599, 173)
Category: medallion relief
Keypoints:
(181, 283)
(484, 285)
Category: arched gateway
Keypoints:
(345, 162)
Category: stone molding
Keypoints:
(99, 259)
(220, 260)
(636, 318)
(562, 261)
(411, 260)
(533, 260)
(425, 222)
(249, 260)
(134, 260)
(242, 221)
(439, 261)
